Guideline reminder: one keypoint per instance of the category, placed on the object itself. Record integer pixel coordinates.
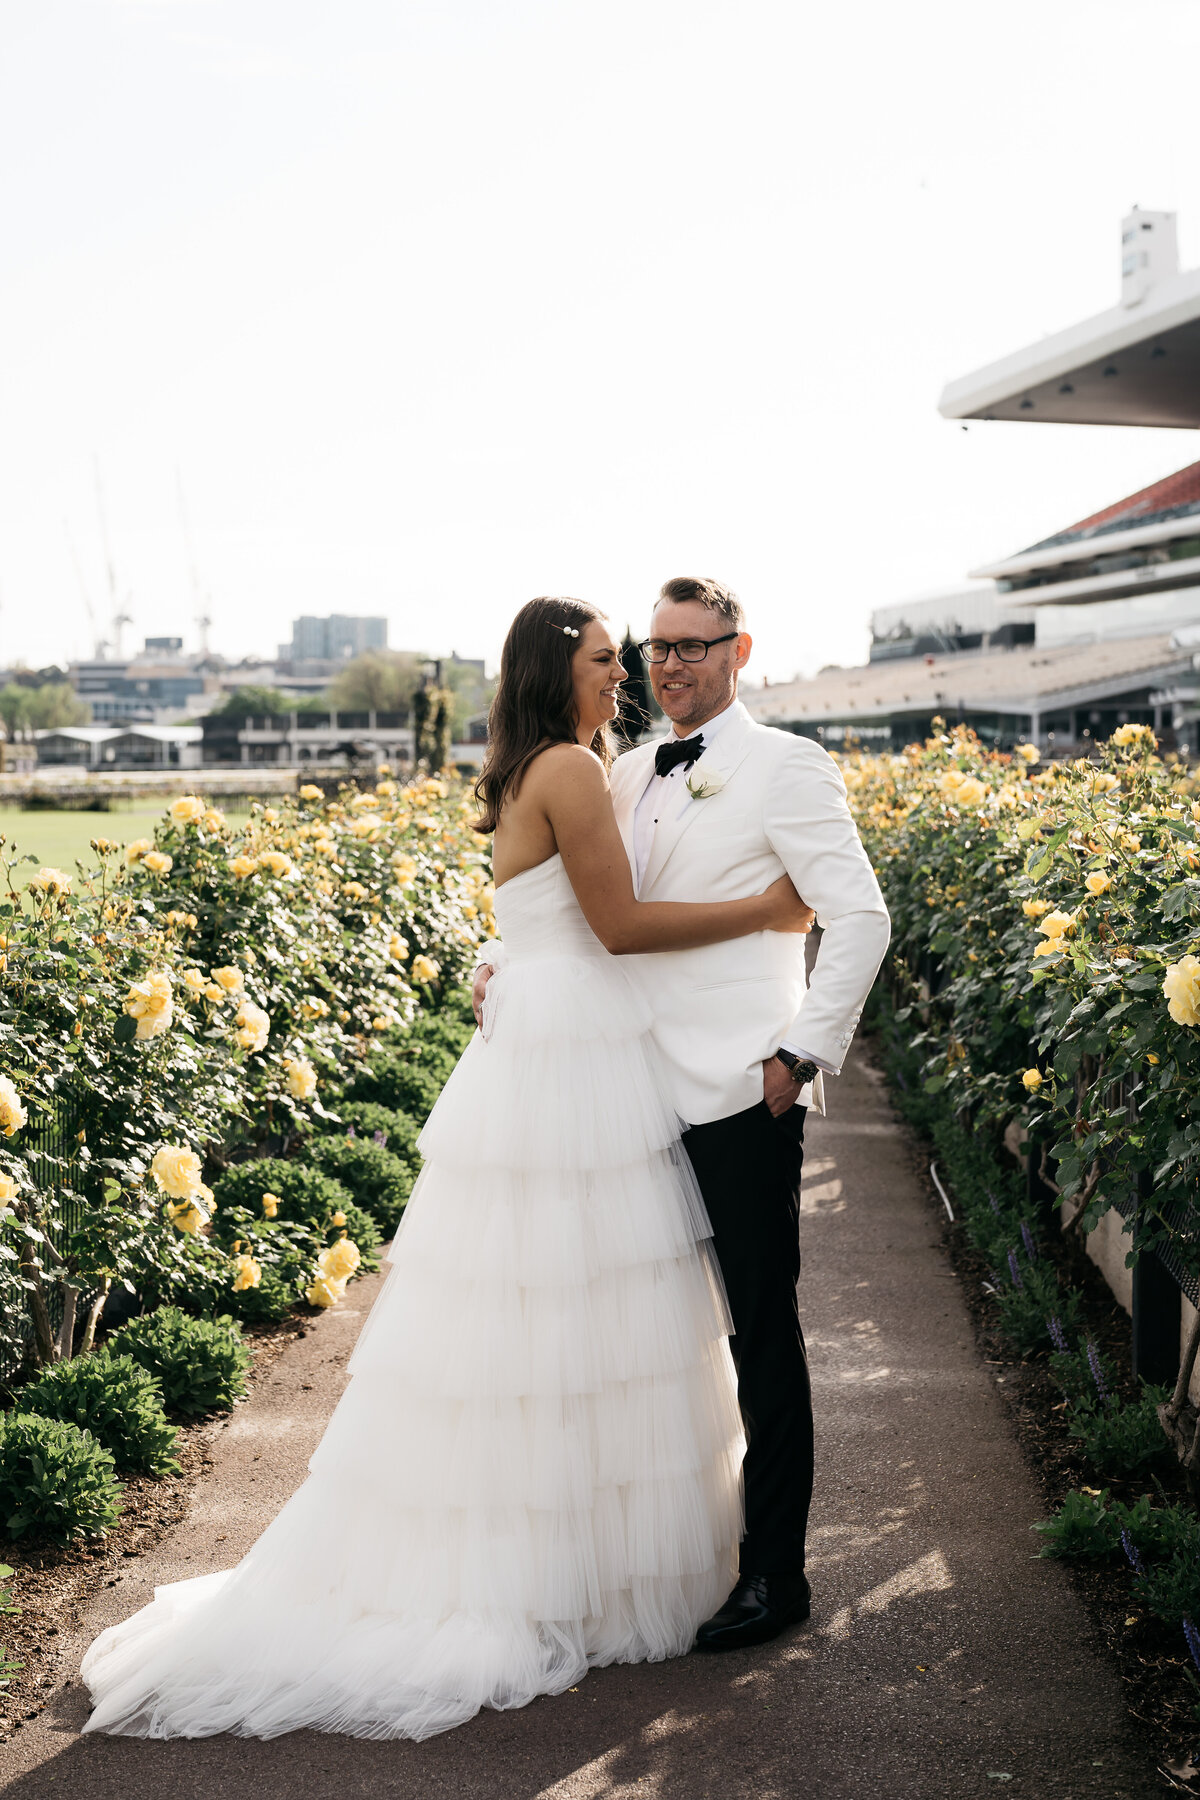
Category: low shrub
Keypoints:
(1170, 1586)
(54, 1478)
(114, 1398)
(1085, 1525)
(398, 1081)
(8, 1665)
(395, 1131)
(380, 1181)
(307, 1196)
(201, 1363)
(1121, 1439)
(1028, 1294)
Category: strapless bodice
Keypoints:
(539, 916)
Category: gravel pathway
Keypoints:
(943, 1661)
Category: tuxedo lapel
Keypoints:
(637, 770)
(730, 749)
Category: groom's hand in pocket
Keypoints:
(483, 975)
(779, 1090)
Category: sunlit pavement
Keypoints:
(942, 1663)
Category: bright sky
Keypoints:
(433, 305)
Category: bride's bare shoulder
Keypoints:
(561, 766)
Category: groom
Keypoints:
(716, 812)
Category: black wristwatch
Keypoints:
(798, 1067)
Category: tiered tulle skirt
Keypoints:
(535, 1466)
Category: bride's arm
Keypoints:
(570, 785)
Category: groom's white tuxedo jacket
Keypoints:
(721, 1011)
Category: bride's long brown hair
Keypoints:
(534, 705)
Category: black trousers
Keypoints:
(748, 1168)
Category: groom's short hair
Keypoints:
(710, 593)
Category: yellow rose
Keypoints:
(1028, 752)
(150, 1003)
(970, 792)
(325, 847)
(309, 792)
(1097, 882)
(254, 1026)
(1056, 923)
(186, 1216)
(1129, 841)
(951, 781)
(1048, 947)
(231, 979)
(386, 788)
(177, 1171)
(338, 1219)
(1033, 909)
(157, 863)
(301, 1077)
(1125, 735)
(340, 1260)
(313, 1007)
(12, 1114)
(51, 881)
(1181, 990)
(8, 1191)
(213, 992)
(193, 979)
(214, 819)
(437, 788)
(277, 862)
(354, 890)
(135, 851)
(486, 900)
(1032, 1080)
(270, 1205)
(424, 968)
(406, 870)
(243, 865)
(366, 824)
(247, 1273)
(325, 1291)
(398, 947)
(187, 810)
(1103, 783)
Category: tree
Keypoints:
(636, 702)
(35, 708)
(255, 702)
(378, 681)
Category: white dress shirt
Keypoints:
(665, 798)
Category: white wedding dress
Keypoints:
(535, 1466)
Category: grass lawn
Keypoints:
(61, 838)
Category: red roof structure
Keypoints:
(1178, 492)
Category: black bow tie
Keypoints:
(674, 751)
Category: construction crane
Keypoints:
(120, 618)
(99, 642)
(200, 599)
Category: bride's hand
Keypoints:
(786, 911)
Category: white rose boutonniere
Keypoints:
(704, 781)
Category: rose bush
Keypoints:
(182, 1004)
(1046, 928)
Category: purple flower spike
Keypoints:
(1132, 1552)
(1193, 1640)
(380, 1138)
(1093, 1356)
(1027, 1240)
(1014, 1270)
(1057, 1335)
(992, 1201)
(350, 1131)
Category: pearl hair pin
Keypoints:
(569, 631)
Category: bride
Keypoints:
(535, 1466)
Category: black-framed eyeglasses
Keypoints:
(657, 650)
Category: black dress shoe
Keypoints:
(759, 1608)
